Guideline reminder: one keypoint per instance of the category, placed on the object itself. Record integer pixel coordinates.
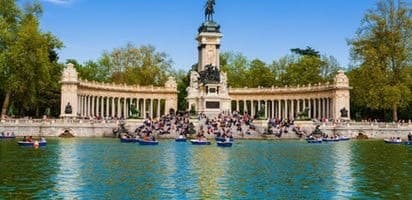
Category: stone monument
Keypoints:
(70, 82)
(207, 92)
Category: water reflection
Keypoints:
(342, 173)
(107, 169)
(68, 180)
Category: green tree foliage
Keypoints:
(236, 67)
(183, 80)
(129, 65)
(309, 51)
(382, 50)
(307, 66)
(259, 74)
(27, 56)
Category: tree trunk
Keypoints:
(5, 105)
(395, 113)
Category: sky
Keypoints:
(259, 29)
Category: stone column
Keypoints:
(279, 112)
(310, 108)
(158, 108)
(101, 102)
(112, 108)
(252, 108)
(144, 108)
(298, 106)
(107, 106)
(319, 108)
(327, 108)
(87, 105)
(266, 108)
(119, 108)
(273, 108)
(80, 105)
(151, 108)
(124, 107)
(293, 108)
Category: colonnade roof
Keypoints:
(111, 87)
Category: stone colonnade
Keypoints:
(92, 99)
(285, 108)
(322, 101)
(120, 107)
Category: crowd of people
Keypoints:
(171, 123)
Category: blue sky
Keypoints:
(263, 29)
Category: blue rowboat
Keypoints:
(7, 137)
(148, 142)
(222, 139)
(224, 144)
(200, 142)
(330, 140)
(344, 138)
(311, 141)
(408, 142)
(180, 139)
(388, 141)
(129, 140)
(31, 144)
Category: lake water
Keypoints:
(106, 169)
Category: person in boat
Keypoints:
(181, 136)
(24, 139)
(410, 136)
(2, 134)
(30, 139)
(42, 139)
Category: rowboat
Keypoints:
(200, 142)
(389, 141)
(314, 141)
(31, 144)
(148, 142)
(224, 144)
(180, 139)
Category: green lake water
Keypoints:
(107, 169)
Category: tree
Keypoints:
(260, 74)
(182, 80)
(382, 50)
(236, 67)
(309, 51)
(27, 55)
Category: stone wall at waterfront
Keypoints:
(104, 128)
(55, 127)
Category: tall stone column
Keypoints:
(125, 108)
(252, 108)
(93, 98)
(310, 108)
(293, 109)
(327, 108)
(107, 106)
(81, 105)
(112, 114)
(158, 108)
(144, 108)
(319, 108)
(151, 108)
(279, 113)
(266, 109)
(119, 108)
